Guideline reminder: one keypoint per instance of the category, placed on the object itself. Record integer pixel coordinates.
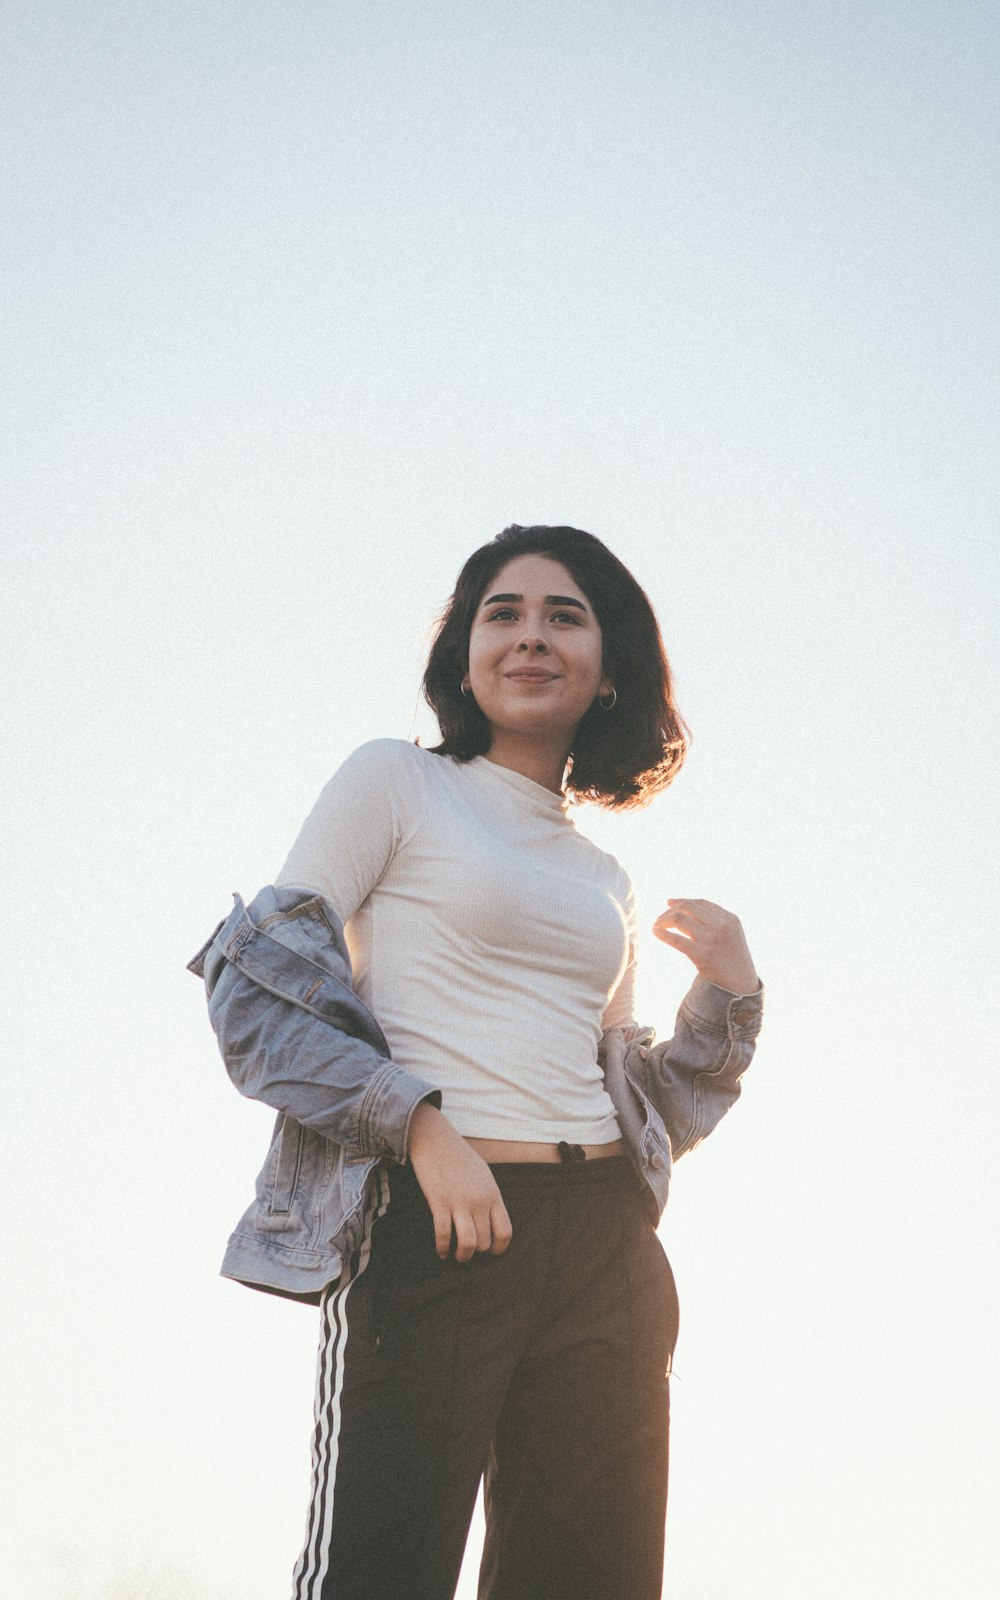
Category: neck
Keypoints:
(537, 759)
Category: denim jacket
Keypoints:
(294, 1034)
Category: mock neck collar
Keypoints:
(543, 798)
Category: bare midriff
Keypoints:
(497, 1150)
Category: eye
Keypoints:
(557, 616)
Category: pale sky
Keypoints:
(303, 302)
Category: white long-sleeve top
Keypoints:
(491, 940)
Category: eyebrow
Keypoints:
(550, 600)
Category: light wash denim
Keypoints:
(293, 1033)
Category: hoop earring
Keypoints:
(606, 705)
(467, 692)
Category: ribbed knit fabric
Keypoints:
(492, 941)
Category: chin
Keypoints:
(536, 723)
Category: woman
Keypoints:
(470, 1184)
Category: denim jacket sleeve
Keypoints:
(693, 1078)
(293, 1033)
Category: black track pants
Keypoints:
(545, 1367)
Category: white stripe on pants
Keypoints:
(310, 1570)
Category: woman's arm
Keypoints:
(292, 1032)
(694, 1077)
(278, 976)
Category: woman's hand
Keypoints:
(713, 939)
(458, 1186)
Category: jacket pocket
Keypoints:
(289, 1166)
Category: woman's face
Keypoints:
(535, 651)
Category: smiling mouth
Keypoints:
(532, 677)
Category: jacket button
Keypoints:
(656, 1161)
(743, 1015)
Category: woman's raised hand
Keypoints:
(713, 939)
(458, 1186)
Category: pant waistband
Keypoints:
(542, 1177)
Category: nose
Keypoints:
(534, 641)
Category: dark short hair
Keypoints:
(620, 758)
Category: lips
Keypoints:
(532, 677)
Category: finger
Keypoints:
(484, 1233)
(691, 908)
(678, 941)
(679, 919)
(503, 1230)
(689, 934)
(708, 911)
(465, 1237)
(442, 1232)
